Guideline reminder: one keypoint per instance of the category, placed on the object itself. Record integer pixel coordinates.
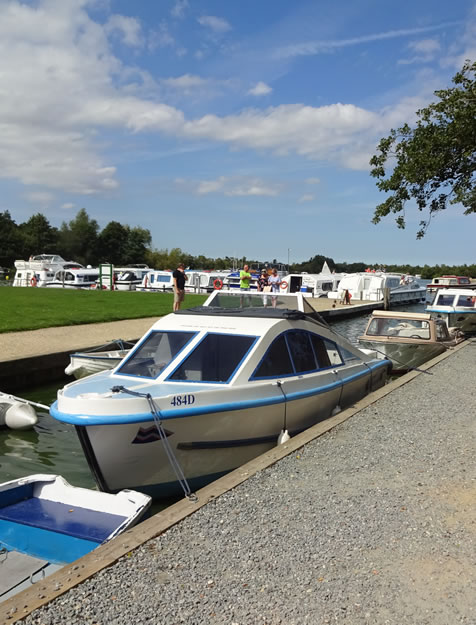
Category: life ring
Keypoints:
(217, 284)
(284, 285)
(33, 281)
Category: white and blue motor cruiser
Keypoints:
(457, 307)
(214, 387)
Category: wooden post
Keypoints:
(386, 298)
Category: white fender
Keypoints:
(283, 437)
(20, 416)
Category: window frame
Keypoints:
(193, 333)
(196, 346)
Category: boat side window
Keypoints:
(276, 362)
(466, 301)
(214, 359)
(347, 355)
(444, 300)
(155, 353)
(302, 354)
(320, 350)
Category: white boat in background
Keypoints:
(82, 278)
(457, 307)
(41, 269)
(213, 387)
(450, 282)
(129, 278)
(45, 523)
(98, 359)
(17, 413)
(407, 339)
(156, 280)
(204, 281)
(370, 286)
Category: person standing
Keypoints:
(245, 278)
(275, 282)
(263, 285)
(179, 278)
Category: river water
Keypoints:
(53, 447)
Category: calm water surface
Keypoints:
(53, 447)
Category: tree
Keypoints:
(435, 163)
(111, 243)
(78, 239)
(10, 240)
(39, 236)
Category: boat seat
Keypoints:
(414, 333)
(61, 518)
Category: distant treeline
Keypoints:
(82, 240)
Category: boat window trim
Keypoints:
(196, 346)
(253, 377)
(140, 343)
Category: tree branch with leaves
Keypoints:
(434, 163)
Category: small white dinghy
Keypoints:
(98, 359)
(17, 413)
(45, 523)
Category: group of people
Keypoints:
(266, 283)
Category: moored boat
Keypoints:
(453, 282)
(46, 523)
(371, 286)
(40, 270)
(214, 386)
(407, 339)
(457, 307)
(98, 359)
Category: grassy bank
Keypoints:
(30, 309)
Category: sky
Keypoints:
(237, 128)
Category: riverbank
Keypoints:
(372, 522)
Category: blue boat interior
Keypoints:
(56, 532)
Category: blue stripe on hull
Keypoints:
(83, 420)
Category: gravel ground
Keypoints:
(371, 523)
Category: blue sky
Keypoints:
(233, 128)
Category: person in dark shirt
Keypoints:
(179, 278)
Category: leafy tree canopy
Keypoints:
(435, 162)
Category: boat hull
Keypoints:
(405, 356)
(208, 445)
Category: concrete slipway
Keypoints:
(365, 518)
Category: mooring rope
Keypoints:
(174, 463)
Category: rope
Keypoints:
(174, 463)
(279, 384)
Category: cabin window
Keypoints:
(301, 350)
(347, 355)
(276, 361)
(320, 350)
(155, 353)
(215, 358)
(466, 301)
(445, 300)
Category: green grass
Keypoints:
(31, 309)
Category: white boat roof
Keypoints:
(401, 315)
(469, 292)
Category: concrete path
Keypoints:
(17, 345)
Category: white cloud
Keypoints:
(39, 197)
(310, 48)
(128, 28)
(68, 205)
(238, 187)
(424, 51)
(313, 181)
(308, 197)
(260, 88)
(216, 24)
(179, 9)
(187, 81)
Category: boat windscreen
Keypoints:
(254, 299)
(155, 353)
(402, 328)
